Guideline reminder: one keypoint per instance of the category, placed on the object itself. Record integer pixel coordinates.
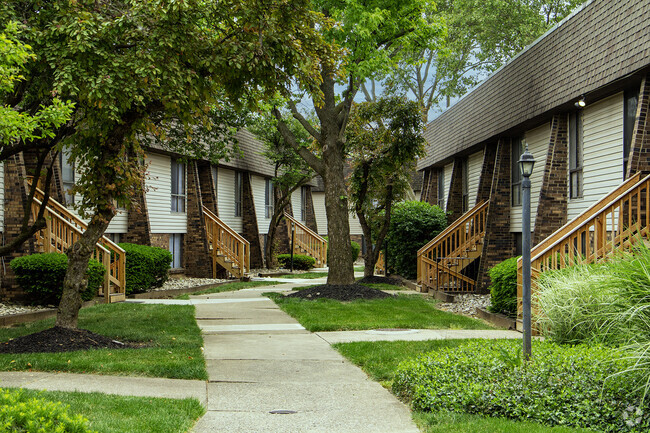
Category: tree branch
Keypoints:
(314, 162)
(305, 124)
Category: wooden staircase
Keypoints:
(228, 248)
(307, 242)
(441, 262)
(64, 229)
(610, 226)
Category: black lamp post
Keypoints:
(526, 163)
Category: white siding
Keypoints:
(474, 166)
(2, 196)
(226, 199)
(258, 184)
(538, 140)
(603, 152)
(319, 212)
(355, 227)
(295, 204)
(449, 168)
(159, 185)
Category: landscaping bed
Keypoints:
(340, 293)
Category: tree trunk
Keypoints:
(75, 280)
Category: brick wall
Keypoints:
(639, 159)
(430, 186)
(499, 242)
(138, 226)
(310, 218)
(196, 255)
(552, 207)
(249, 219)
(487, 171)
(455, 196)
(160, 240)
(206, 180)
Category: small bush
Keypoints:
(356, 249)
(412, 225)
(576, 386)
(300, 261)
(146, 267)
(19, 413)
(41, 275)
(503, 291)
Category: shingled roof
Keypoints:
(602, 42)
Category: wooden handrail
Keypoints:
(225, 242)
(308, 241)
(609, 226)
(459, 241)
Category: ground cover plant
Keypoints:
(300, 262)
(575, 386)
(169, 339)
(111, 413)
(402, 311)
(503, 287)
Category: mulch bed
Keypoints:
(340, 293)
(378, 279)
(58, 339)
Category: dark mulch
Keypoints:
(378, 279)
(340, 293)
(59, 339)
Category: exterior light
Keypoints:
(581, 102)
(526, 164)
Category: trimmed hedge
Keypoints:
(577, 386)
(19, 413)
(503, 291)
(300, 261)
(146, 267)
(41, 275)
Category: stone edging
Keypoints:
(496, 319)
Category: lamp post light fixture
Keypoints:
(526, 163)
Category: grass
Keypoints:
(172, 337)
(400, 312)
(119, 414)
(229, 287)
(380, 359)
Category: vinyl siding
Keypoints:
(355, 227)
(603, 152)
(226, 199)
(258, 185)
(538, 140)
(474, 166)
(159, 189)
(319, 212)
(449, 168)
(295, 204)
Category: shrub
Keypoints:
(503, 291)
(146, 267)
(300, 261)
(576, 386)
(356, 249)
(19, 413)
(41, 275)
(412, 225)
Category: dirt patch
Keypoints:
(351, 292)
(59, 339)
(378, 279)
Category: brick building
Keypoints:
(577, 97)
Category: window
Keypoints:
(215, 180)
(268, 198)
(178, 186)
(238, 193)
(303, 203)
(576, 147)
(115, 237)
(441, 189)
(515, 173)
(67, 175)
(176, 248)
(629, 119)
(465, 184)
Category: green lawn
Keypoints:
(169, 333)
(118, 414)
(380, 359)
(230, 287)
(403, 311)
(307, 275)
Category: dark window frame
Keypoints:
(517, 147)
(440, 199)
(178, 187)
(239, 189)
(67, 168)
(630, 105)
(268, 198)
(576, 154)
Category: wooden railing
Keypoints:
(440, 262)
(227, 247)
(609, 226)
(306, 241)
(64, 229)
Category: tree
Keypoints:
(26, 128)
(369, 34)
(137, 68)
(385, 138)
(291, 171)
